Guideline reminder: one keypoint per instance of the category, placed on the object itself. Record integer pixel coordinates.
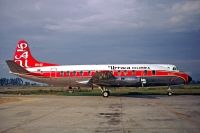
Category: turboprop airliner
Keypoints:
(103, 76)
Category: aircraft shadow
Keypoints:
(139, 95)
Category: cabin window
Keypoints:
(89, 73)
(81, 73)
(74, 73)
(113, 72)
(125, 72)
(145, 72)
(118, 73)
(96, 72)
(67, 73)
(61, 73)
(153, 72)
(133, 72)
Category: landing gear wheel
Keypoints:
(106, 94)
(169, 93)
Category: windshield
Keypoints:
(175, 68)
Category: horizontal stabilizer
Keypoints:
(15, 68)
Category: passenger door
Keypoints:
(53, 72)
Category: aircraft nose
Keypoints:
(189, 79)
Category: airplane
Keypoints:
(103, 76)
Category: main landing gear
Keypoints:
(169, 91)
(105, 92)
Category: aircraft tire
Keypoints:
(169, 93)
(106, 94)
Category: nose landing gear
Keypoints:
(169, 91)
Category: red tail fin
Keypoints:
(24, 58)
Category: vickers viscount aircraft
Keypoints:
(103, 76)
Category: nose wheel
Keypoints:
(169, 91)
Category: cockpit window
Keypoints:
(175, 68)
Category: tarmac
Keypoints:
(95, 114)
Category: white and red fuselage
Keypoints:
(116, 75)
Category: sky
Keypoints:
(103, 32)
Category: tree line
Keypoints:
(15, 82)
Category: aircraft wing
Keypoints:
(103, 78)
